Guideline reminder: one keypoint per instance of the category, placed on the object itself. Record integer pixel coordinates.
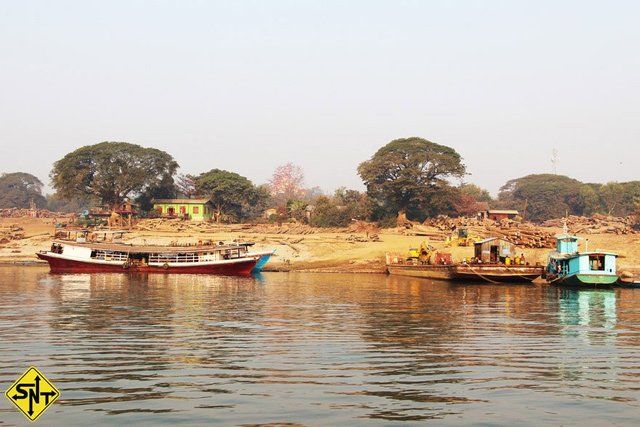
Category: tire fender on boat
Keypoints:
(165, 266)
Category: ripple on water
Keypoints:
(314, 349)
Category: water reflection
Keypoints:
(319, 349)
(593, 308)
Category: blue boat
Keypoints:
(568, 267)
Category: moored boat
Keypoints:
(567, 266)
(424, 262)
(494, 261)
(497, 272)
(83, 256)
(497, 261)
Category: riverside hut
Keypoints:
(494, 250)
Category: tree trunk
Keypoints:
(402, 218)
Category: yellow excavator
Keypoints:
(422, 254)
(462, 238)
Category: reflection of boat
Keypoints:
(82, 256)
(568, 267)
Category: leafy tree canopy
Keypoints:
(19, 189)
(111, 171)
(475, 192)
(165, 189)
(328, 214)
(545, 196)
(230, 193)
(407, 174)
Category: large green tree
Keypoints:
(19, 189)
(407, 175)
(544, 196)
(111, 171)
(165, 189)
(231, 194)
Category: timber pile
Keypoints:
(523, 234)
(33, 213)
(11, 232)
(178, 226)
(596, 224)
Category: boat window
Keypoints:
(596, 262)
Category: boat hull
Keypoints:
(443, 272)
(262, 260)
(585, 280)
(497, 273)
(59, 264)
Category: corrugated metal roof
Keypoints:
(488, 239)
(504, 211)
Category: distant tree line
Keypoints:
(410, 177)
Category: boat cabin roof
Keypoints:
(558, 255)
(124, 247)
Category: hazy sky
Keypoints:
(247, 86)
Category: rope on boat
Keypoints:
(520, 275)
(483, 277)
(494, 281)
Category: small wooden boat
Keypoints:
(568, 267)
(82, 256)
(425, 271)
(498, 273)
(495, 261)
(424, 262)
(629, 283)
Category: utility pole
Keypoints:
(554, 161)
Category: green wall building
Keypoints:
(193, 209)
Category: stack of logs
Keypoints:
(33, 213)
(11, 232)
(596, 224)
(523, 234)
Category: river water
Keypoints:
(318, 349)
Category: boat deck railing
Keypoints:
(111, 256)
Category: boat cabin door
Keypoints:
(493, 254)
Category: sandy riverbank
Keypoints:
(301, 249)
